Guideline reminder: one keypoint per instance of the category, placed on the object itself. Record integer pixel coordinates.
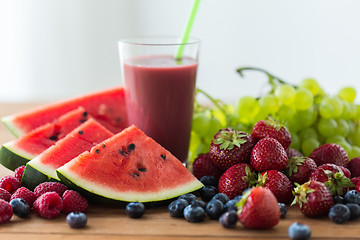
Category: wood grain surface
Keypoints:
(112, 223)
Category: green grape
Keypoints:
(336, 139)
(326, 109)
(354, 136)
(260, 116)
(294, 125)
(217, 113)
(357, 115)
(285, 93)
(200, 123)
(214, 126)
(295, 141)
(306, 117)
(285, 113)
(306, 133)
(346, 146)
(347, 93)
(195, 142)
(355, 152)
(353, 111)
(308, 145)
(326, 127)
(247, 108)
(337, 105)
(269, 103)
(347, 112)
(310, 84)
(303, 99)
(342, 127)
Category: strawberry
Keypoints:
(278, 183)
(269, 128)
(333, 177)
(203, 166)
(354, 166)
(330, 153)
(355, 181)
(268, 154)
(236, 179)
(292, 152)
(299, 169)
(313, 198)
(258, 208)
(229, 147)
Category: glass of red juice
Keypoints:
(160, 89)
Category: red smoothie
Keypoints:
(160, 99)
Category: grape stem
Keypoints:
(271, 77)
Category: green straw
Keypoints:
(188, 28)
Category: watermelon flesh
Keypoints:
(19, 151)
(107, 107)
(132, 167)
(43, 167)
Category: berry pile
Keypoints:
(48, 200)
(237, 161)
(312, 116)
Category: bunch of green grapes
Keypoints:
(312, 116)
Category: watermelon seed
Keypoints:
(53, 138)
(85, 114)
(83, 120)
(163, 156)
(81, 132)
(122, 152)
(142, 169)
(104, 145)
(97, 151)
(131, 147)
(135, 174)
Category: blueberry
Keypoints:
(298, 231)
(230, 205)
(228, 219)
(339, 213)
(76, 219)
(209, 180)
(194, 213)
(352, 196)
(20, 207)
(283, 209)
(354, 210)
(176, 208)
(208, 192)
(189, 197)
(135, 209)
(338, 199)
(214, 209)
(222, 197)
(199, 202)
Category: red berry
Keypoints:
(236, 179)
(299, 169)
(278, 183)
(57, 187)
(291, 152)
(74, 202)
(5, 195)
(18, 173)
(229, 147)
(268, 128)
(25, 194)
(10, 184)
(258, 208)
(330, 153)
(354, 166)
(203, 166)
(313, 198)
(268, 154)
(48, 205)
(6, 211)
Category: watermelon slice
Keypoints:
(107, 107)
(43, 167)
(132, 167)
(18, 152)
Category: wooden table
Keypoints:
(112, 223)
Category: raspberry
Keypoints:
(25, 194)
(48, 205)
(6, 211)
(5, 195)
(50, 187)
(74, 202)
(10, 184)
(18, 173)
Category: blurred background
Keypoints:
(54, 49)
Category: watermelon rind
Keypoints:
(102, 194)
(12, 157)
(33, 177)
(8, 122)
